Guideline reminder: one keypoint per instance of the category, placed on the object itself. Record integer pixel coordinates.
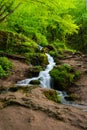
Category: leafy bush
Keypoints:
(2, 72)
(5, 63)
(41, 39)
(52, 95)
(5, 67)
(63, 76)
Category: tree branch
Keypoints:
(9, 13)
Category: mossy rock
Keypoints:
(72, 97)
(63, 76)
(37, 59)
(24, 89)
(34, 71)
(35, 82)
(52, 95)
(43, 59)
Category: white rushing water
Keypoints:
(44, 75)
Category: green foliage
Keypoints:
(45, 20)
(60, 45)
(52, 95)
(5, 67)
(17, 44)
(41, 39)
(5, 63)
(7, 8)
(63, 76)
(37, 59)
(2, 72)
(78, 41)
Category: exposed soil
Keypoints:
(79, 62)
(19, 72)
(31, 110)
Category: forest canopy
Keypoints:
(45, 21)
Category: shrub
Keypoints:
(5, 67)
(2, 72)
(5, 63)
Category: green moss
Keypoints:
(16, 43)
(37, 59)
(5, 63)
(5, 67)
(52, 95)
(63, 75)
(35, 82)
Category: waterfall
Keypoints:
(44, 75)
(45, 82)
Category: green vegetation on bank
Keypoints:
(5, 67)
(63, 76)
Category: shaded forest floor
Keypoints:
(29, 109)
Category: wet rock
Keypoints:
(34, 71)
(35, 82)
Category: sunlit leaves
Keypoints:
(43, 16)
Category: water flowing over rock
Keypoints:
(44, 75)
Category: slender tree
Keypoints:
(6, 9)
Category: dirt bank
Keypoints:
(19, 72)
(32, 110)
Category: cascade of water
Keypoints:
(45, 79)
(44, 76)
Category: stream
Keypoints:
(45, 82)
(44, 76)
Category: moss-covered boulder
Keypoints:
(34, 71)
(63, 76)
(37, 59)
(35, 82)
(52, 95)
